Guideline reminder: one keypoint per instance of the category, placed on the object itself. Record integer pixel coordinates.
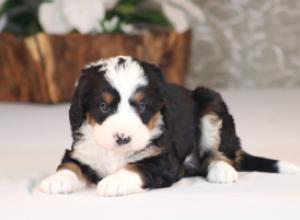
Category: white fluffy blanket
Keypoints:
(33, 139)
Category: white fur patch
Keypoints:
(63, 181)
(123, 182)
(125, 78)
(127, 124)
(210, 136)
(106, 161)
(221, 172)
(131, 126)
(287, 167)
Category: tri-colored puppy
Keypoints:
(133, 131)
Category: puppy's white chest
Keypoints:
(103, 161)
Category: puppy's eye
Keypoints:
(104, 107)
(141, 107)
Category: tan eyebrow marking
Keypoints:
(108, 98)
(138, 96)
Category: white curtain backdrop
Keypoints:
(247, 44)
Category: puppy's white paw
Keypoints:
(221, 172)
(123, 182)
(63, 181)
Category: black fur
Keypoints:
(253, 163)
(179, 139)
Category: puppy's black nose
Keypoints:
(121, 139)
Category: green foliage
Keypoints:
(4, 7)
(128, 11)
(23, 16)
(150, 16)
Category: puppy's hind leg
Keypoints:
(207, 160)
(220, 146)
(213, 116)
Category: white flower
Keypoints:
(2, 2)
(83, 15)
(3, 18)
(176, 16)
(3, 21)
(52, 19)
(111, 24)
(128, 28)
(63, 16)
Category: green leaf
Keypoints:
(125, 9)
(8, 5)
(130, 2)
(129, 12)
(22, 17)
(151, 16)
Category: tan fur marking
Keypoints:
(215, 120)
(237, 160)
(108, 98)
(90, 119)
(151, 124)
(214, 156)
(138, 97)
(74, 168)
(219, 156)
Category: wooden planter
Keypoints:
(43, 68)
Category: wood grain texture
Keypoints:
(21, 78)
(43, 68)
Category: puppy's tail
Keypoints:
(247, 162)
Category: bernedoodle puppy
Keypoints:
(132, 131)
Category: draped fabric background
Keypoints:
(247, 44)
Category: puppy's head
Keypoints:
(120, 101)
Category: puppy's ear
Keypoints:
(78, 105)
(155, 75)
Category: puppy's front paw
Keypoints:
(221, 172)
(123, 182)
(63, 181)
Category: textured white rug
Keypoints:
(33, 138)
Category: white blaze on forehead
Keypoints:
(126, 77)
